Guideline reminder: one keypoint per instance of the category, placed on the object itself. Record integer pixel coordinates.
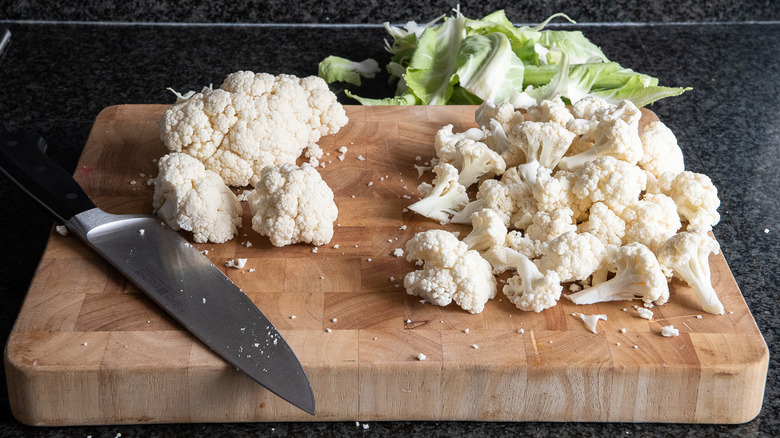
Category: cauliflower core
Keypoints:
(190, 197)
(251, 121)
(292, 204)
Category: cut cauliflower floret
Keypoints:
(443, 197)
(292, 204)
(686, 255)
(547, 225)
(696, 198)
(616, 183)
(492, 194)
(573, 256)
(532, 289)
(651, 221)
(451, 272)
(251, 121)
(537, 144)
(472, 158)
(638, 275)
(495, 122)
(661, 153)
(613, 138)
(605, 224)
(550, 111)
(189, 197)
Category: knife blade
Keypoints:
(165, 266)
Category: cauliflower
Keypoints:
(495, 122)
(613, 138)
(451, 272)
(660, 152)
(554, 111)
(604, 223)
(616, 183)
(536, 144)
(251, 121)
(189, 197)
(686, 255)
(696, 198)
(530, 289)
(638, 276)
(573, 256)
(292, 204)
(547, 225)
(442, 199)
(472, 158)
(493, 194)
(651, 221)
(488, 231)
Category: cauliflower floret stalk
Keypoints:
(472, 158)
(686, 255)
(614, 138)
(638, 276)
(451, 272)
(292, 204)
(532, 289)
(189, 197)
(536, 144)
(444, 197)
(488, 231)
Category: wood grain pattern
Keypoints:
(89, 348)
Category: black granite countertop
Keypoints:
(56, 77)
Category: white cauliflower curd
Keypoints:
(188, 196)
(292, 204)
(451, 272)
(252, 120)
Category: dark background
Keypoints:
(68, 60)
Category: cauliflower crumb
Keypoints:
(237, 263)
(62, 229)
(521, 331)
(644, 313)
(328, 330)
(698, 317)
(766, 230)
(475, 346)
(399, 252)
(315, 250)
(402, 227)
(292, 316)
(623, 330)
(360, 157)
(334, 320)
(669, 331)
(465, 330)
(421, 356)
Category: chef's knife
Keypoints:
(171, 271)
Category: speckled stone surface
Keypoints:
(57, 77)
(374, 11)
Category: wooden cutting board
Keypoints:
(89, 348)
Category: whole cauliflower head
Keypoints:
(251, 121)
(451, 272)
(292, 204)
(188, 196)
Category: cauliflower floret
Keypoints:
(535, 144)
(613, 138)
(686, 255)
(444, 197)
(495, 122)
(251, 121)
(660, 150)
(626, 111)
(616, 183)
(588, 106)
(696, 198)
(488, 231)
(189, 197)
(555, 191)
(550, 111)
(605, 224)
(651, 221)
(531, 289)
(292, 204)
(472, 158)
(573, 256)
(492, 194)
(547, 225)
(638, 276)
(451, 272)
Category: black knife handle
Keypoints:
(23, 161)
